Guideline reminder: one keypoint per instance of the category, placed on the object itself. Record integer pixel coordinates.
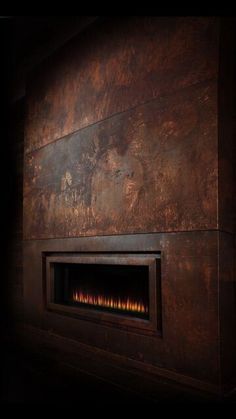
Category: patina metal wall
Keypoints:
(126, 133)
(136, 104)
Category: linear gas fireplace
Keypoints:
(120, 289)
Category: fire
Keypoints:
(110, 302)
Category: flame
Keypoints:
(110, 302)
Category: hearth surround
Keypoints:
(188, 279)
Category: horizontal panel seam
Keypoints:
(174, 92)
(128, 234)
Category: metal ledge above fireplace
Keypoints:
(119, 290)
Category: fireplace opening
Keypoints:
(114, 289)
(118, 289)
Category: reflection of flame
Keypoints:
(110, 302)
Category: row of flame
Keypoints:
(115, 303)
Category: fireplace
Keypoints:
(115, 288)
(129, 233)
(119, 289)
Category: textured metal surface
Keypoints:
(189, 287)
(227, 307)
(157, 167)
(116, 65)
(227, 127)
(151, 169)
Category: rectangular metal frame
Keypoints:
(151, 325)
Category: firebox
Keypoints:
(116, 289)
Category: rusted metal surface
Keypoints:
(162, 166)
(227, 127)
(189, 293)
(123, 372)
(151, 169)
(227, 307)
(116, 65)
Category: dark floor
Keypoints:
(30, 378)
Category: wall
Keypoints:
(122, 136)
(13, 221)
(136, 104)
(227, 201)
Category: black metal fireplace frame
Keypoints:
(146, 326)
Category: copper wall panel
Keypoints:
(153, 168)
(227, 127)
(115, 65)
(130, 130)
(227, 307)
(189, 286)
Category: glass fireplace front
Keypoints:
(112, 289)
(121, 289)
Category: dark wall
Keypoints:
(15, 213)
(125, 133)
(227, 197)
(12, 144)
(25, 41)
